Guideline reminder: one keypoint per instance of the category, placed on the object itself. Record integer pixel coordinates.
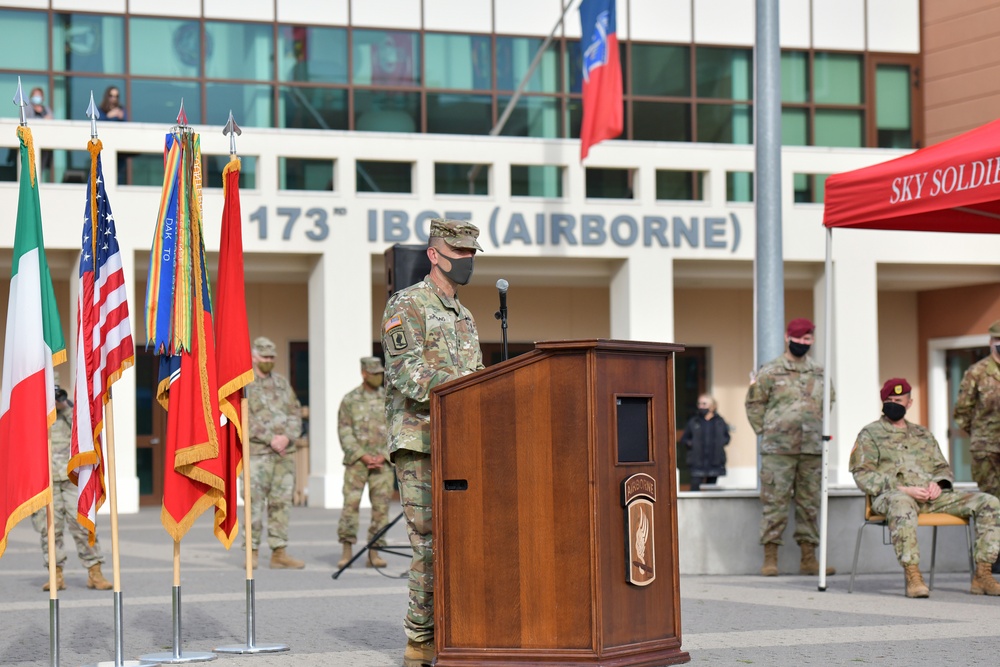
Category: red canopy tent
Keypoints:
(952, 186)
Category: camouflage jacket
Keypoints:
(428, 338)
(361, 424)
(977, 409)
(273, 410)
(61, 434)
(785, 405)
(885, 457)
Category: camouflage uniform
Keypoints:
(886, 457)
(361, 426)
(428, 338)
(977, 412)
(273, 410)
(785, 407)
(64, 500)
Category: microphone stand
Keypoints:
(502, 316)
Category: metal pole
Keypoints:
(824, 504)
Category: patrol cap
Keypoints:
(799, 327)
(264, 347)
(994, 329)
(895, 387)
(372, 365)
(456, 233)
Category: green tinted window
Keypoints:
(304, 174)
(164, 47)
(724, 73)
(892, 106)
(312, 54)
(375, 176)
(449, 113)
(386, 58)
(514, 56)
(725, 123)
(676, 185)
(794, 127)
(609, 184)
(214, 164)
(239, 51)
(71, 95)
(140, 169)
(453, 179)
(88, 43)
(28, 81)
(533, 117)
(661, 121)
(159, 101)
(25, 43)
(739, 186)
(458, 61)
(386, 111)
(794, 76)
(838, 78)
(661, 70)
(312, 108)
(251, 105)
(536, 181)
(836, 127)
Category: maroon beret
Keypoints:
(895, 387)
(799, 327)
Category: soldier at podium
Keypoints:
(429, 338)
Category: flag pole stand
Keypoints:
(119, 660)
(177, 656)
(251, 646)
(50, 523)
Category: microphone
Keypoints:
(501, 315)
(502, 286)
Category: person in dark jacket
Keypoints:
(706, 436)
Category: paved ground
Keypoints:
(356, 621)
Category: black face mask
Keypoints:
(997, 348)
(461, 269)
(702, 412)
(798, 349)
(893, 411)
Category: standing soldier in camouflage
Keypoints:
(429, 338)
(275, 423)
(361, 426)
(785, 407)
(900, 466)
(64, 501)
(977, 412)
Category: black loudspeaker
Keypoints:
(405, 265)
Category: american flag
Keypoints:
(103, 342)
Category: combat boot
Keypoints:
(809, 564)
(60, 582)
(770, 568)
(915, 586)
(253, 559)
(984, 583)
(374, 560)
(418, 654)
(282, 561)
(95, 579)
(347, 555)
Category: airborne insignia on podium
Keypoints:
(638, 497)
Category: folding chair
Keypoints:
(933, 519)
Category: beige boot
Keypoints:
(418, 654)
(282, 561)
(984, 583)
(60, 582)
(915, 586)
(253, 559)
(95, 579)
(345, 558)
(809, 564)
(374, 560)
(770, 568)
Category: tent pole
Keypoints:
(824, 504)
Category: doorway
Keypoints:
(948, 359)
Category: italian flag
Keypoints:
(33, 344)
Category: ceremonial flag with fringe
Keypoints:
(235, 367)
(602, 75)
(182, 334)
(33, 345)
(103, 343)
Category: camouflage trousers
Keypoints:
(986, 472)
(272, 480)
(784, 478)
(413, 471)
(64, 500)
(379, 484)
(901, 512)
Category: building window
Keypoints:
(164, 47)
(251, 104)
(679, 185)
(739, 186)
(893, 110)
(25, 43)
(461, 179)
(159, 101)
(304, 174)
(63, 166)
(87, 43)
(532, 117)
(809, 188)
(536, 181)
(386, 111)
(458, 62)
(451, 113)
(610, 183)
(372, 176)
(239, 51)
(214, 164)
(312, 55)
(140, 169)
(386, 58)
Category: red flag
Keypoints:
(104, 341)
(602, 75)
(32, 346)
(233, 361)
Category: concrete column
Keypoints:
(340, 333)
(855, 371)
(642, 299)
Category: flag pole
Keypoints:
(232, 129)
(50, 524)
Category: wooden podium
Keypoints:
(555, 509)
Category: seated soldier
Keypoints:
(899, 464)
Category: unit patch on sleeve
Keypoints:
(394, 335)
